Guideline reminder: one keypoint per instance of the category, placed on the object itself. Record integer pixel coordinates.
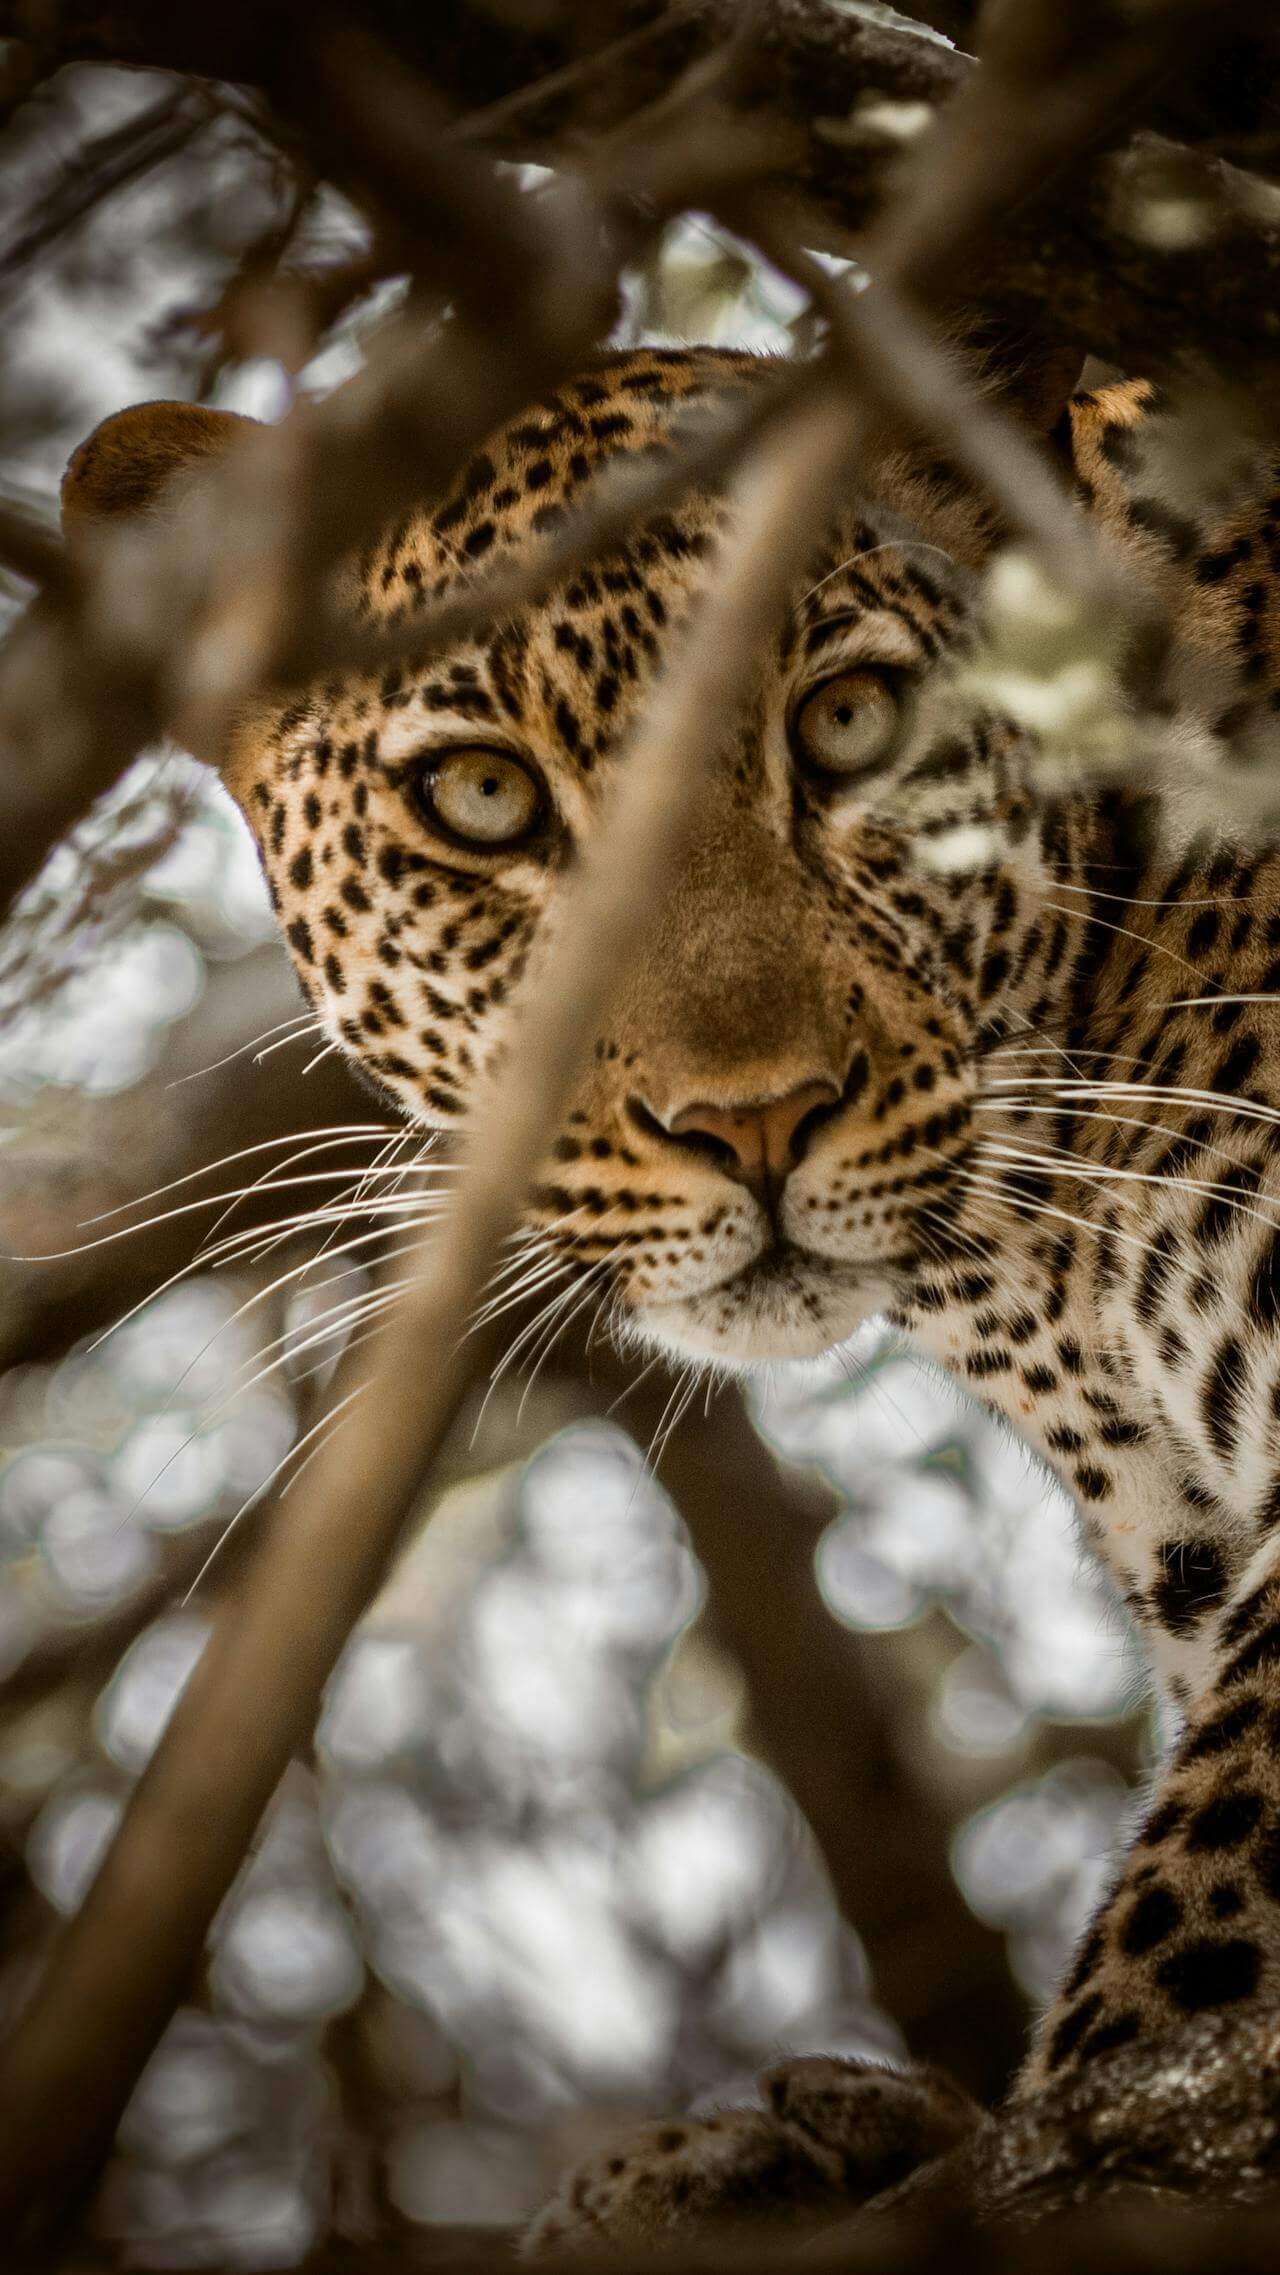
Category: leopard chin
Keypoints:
(786, 1304)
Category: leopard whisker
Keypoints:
(992, 1187)
(314, 1027)
(867, 553)
(338, 1133)
(1073, 1161)
(1245, 1109)
(1122, 932)
(254, 1500)
(302, 1022)
(1065, 884)
(685, 1385)
(369, 1303)
(551, 1268)
(235, 1250)
(1056, 1162)
(519, 1342)
(556, 1325)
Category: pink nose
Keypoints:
(763, 1140)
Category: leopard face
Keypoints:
(767, 1144)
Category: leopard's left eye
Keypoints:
(481, 797)
(848, 724)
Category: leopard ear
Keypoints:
(128, 462)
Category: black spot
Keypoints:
(1220, 1397)
(995, 971)
(1163, 1821)
(1213, 567)
(1039, 1379)
(1209, 1973)
(1225, 1822)
(1072, 2028)
(1221, 1210)
(1237, 1066)
(1087, 1958)
(567, 725)
(1152, 1920)
(1264, 1284)
(1247, 1615)
(1193, 1578)
(1109, 2035)
(1263, 1651)
(1091, 1483)
(1218, 1736)
(1173, 529)
(1267, 1864)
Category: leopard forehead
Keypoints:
(803, 943)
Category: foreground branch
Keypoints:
(93, 2022)
(1091, 260)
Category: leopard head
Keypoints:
(776, 1129)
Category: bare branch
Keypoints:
(92, 2022)
(1108, 287)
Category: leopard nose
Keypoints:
(763, 1142)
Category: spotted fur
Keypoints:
(1040, 1031)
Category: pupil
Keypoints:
(489, 785)
(844, 713)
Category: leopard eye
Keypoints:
(848, 724)
(482, 797)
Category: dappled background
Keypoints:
(681, 1739)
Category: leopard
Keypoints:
(926, 1030)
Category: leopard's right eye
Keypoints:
(480, 797)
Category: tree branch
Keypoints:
(93, 2021)
(1109, 289)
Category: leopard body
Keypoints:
(1035, 1033)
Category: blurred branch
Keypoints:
(1109, 287)
(30, 549)
(92, 2022)
(547, 78)
(882, 1835)
(108, 164)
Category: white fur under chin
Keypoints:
(800, 1313)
